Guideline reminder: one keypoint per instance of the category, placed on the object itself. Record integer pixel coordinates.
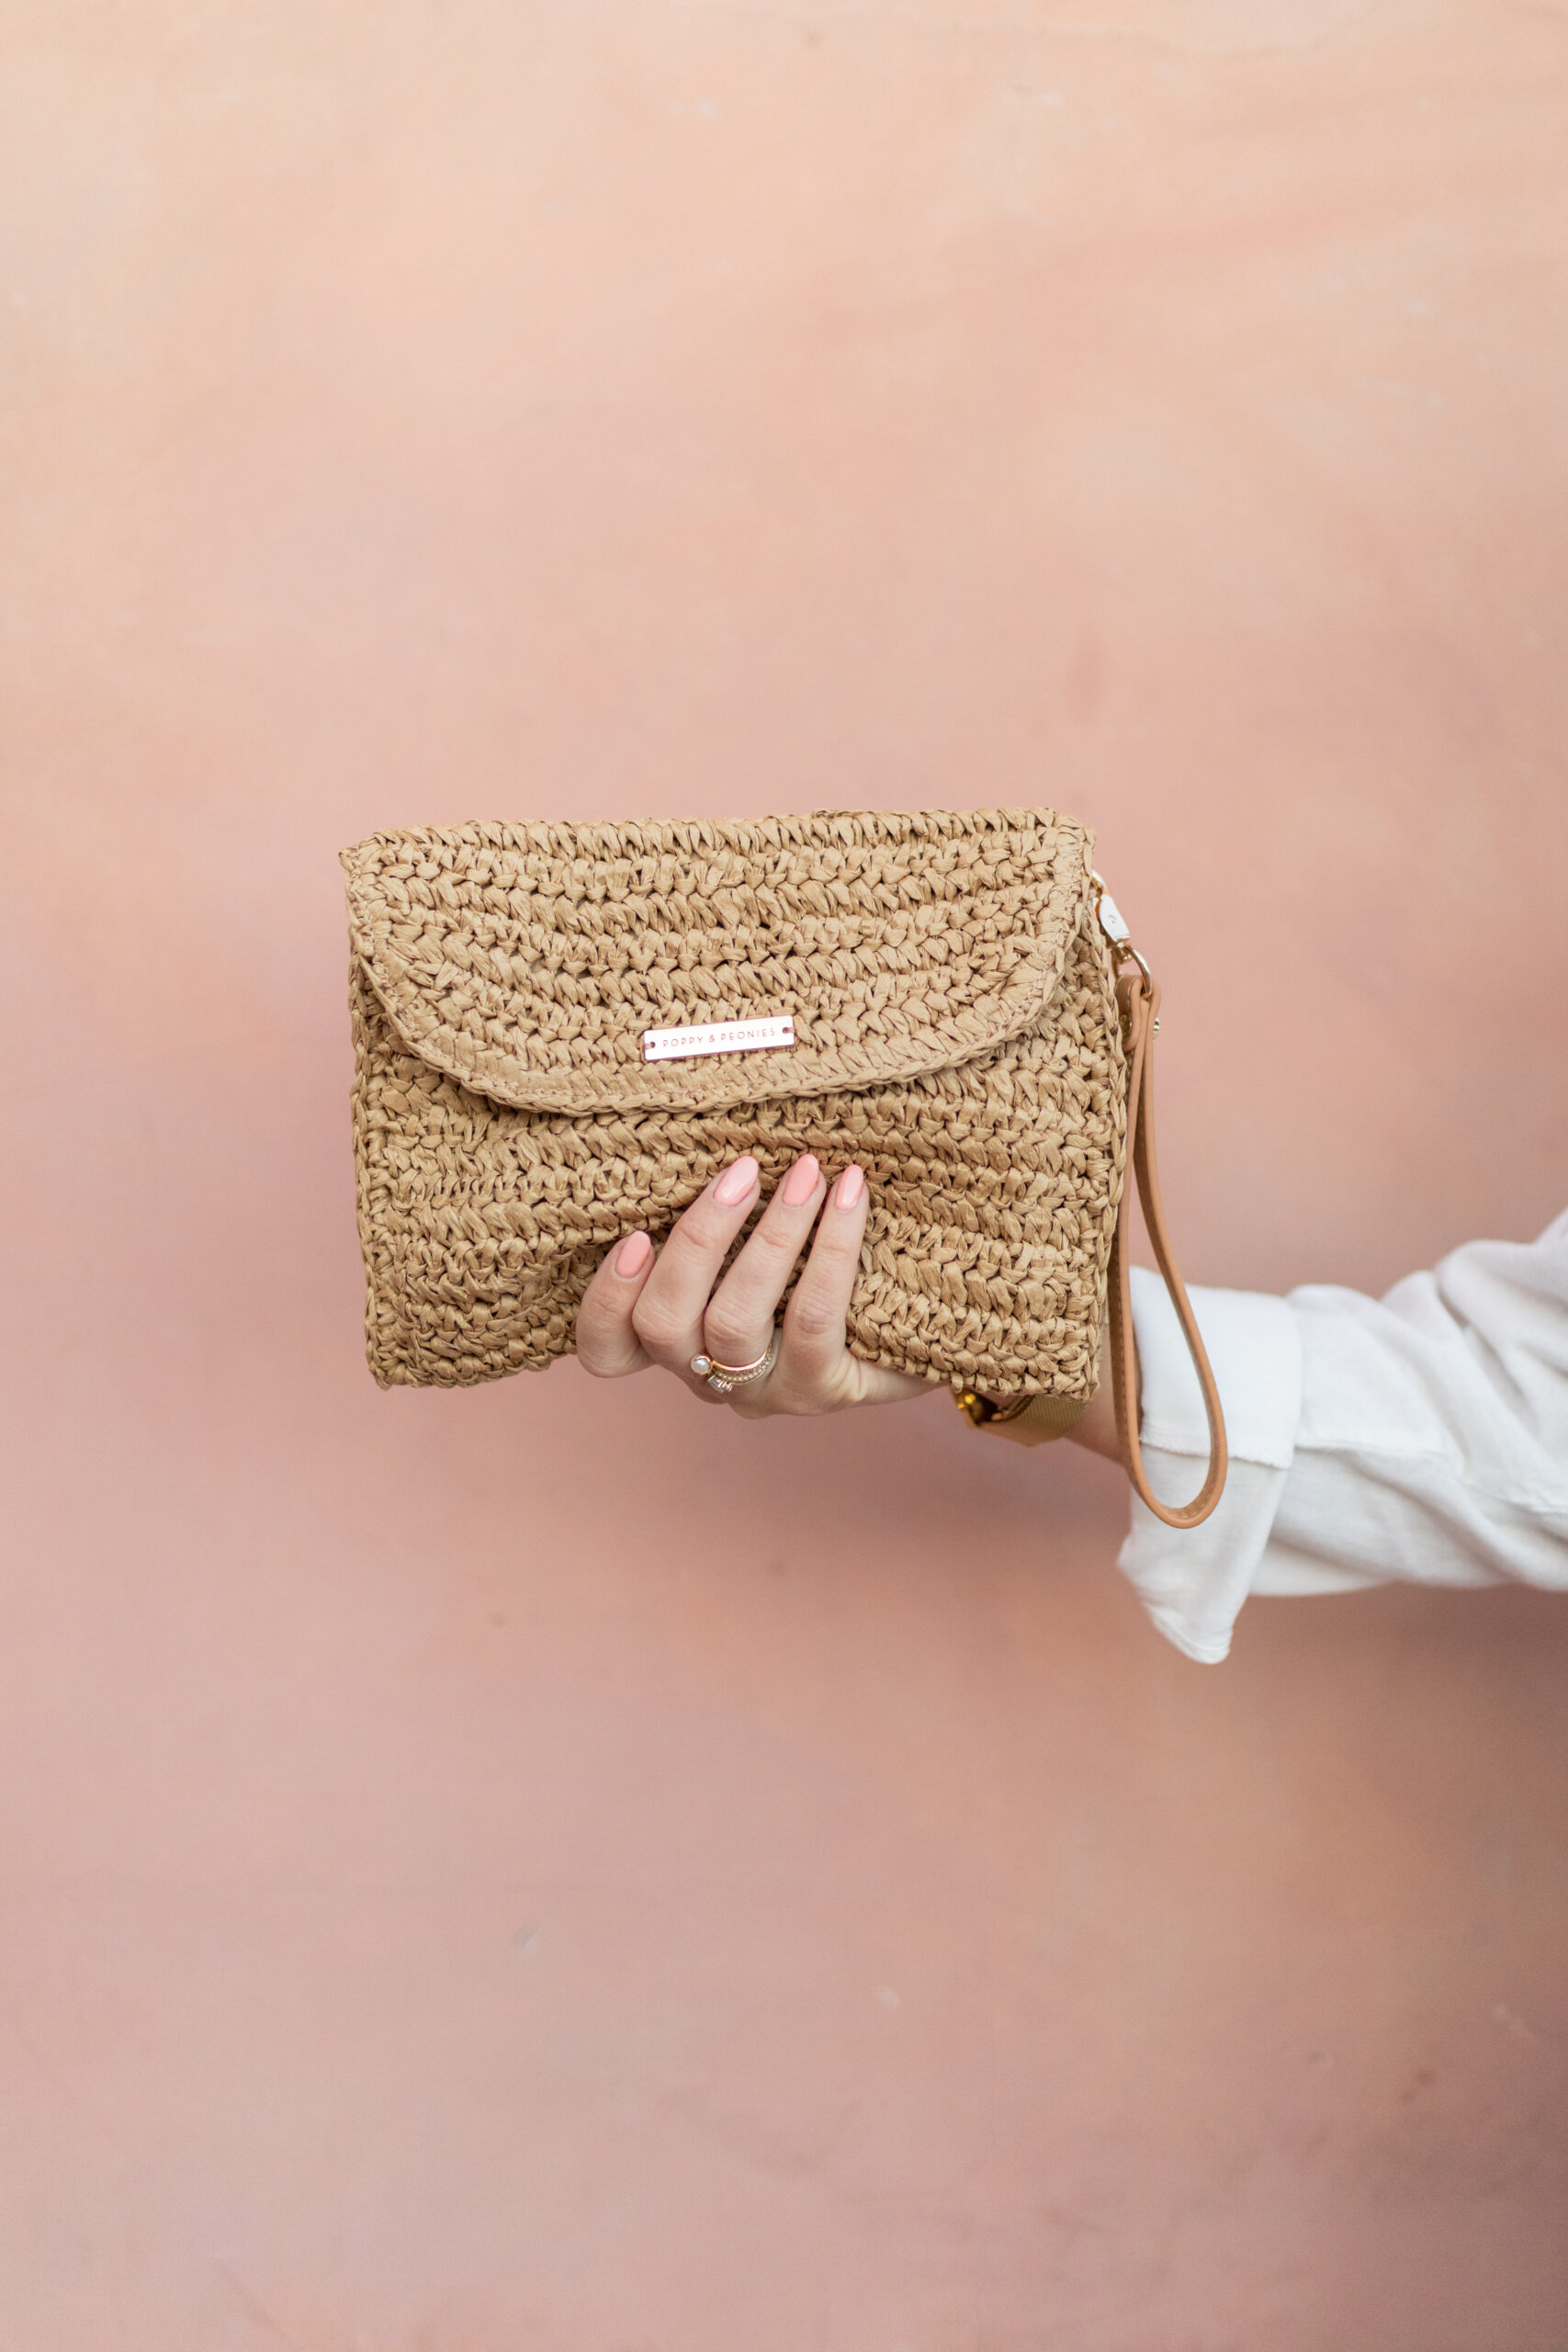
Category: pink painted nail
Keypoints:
(848, 1190)
(633, 1255)
(736, 1183)
(801, 1182)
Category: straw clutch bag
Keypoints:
(563, 1032)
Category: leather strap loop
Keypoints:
(1138, 997)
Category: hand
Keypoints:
(645, 1307)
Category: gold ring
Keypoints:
(722, 1377)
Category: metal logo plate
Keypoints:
(717, 1037)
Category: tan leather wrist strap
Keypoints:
(1138, 997)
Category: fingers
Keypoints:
(668, 1316)
(640, 1309)
(815, 1372)
(643, 1310)
(740, 1314)
(814, 1364)
(607, 1343)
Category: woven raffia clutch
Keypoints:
(563, 1032)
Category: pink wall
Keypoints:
(549, 1868)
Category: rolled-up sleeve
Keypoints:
(1422, 1436)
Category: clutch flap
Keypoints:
(578, 968)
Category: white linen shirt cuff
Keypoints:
(1193, 1581)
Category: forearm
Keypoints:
(1422, 1436)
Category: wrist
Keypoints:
(1097, 1429)
(1042, 1419)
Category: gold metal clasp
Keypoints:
(1118, 938)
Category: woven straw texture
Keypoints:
(955, 1031)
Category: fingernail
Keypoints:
(801, 1182)
(633, 1255)
(736, 1183)
(848, 1190)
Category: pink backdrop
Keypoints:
(549, 1868)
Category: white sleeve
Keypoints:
(1424, 1436)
